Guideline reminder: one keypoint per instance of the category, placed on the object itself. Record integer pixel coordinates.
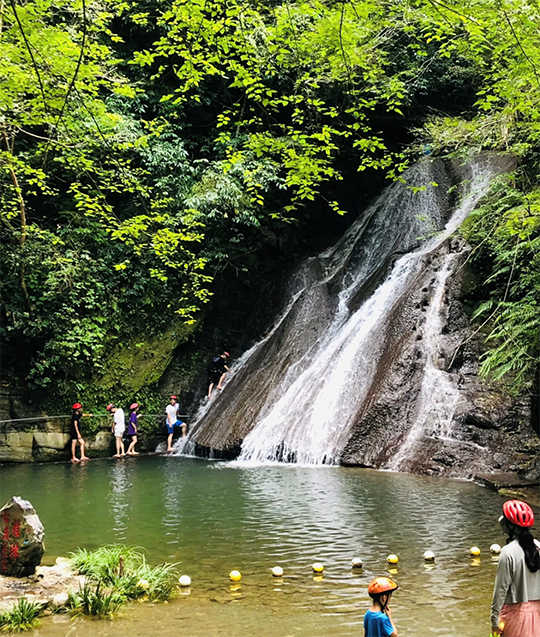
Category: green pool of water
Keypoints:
(212, 517)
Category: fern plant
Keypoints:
(505, 235)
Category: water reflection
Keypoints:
(171, 497)
(213, 518)
(120, 486)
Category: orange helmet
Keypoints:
(381, 585)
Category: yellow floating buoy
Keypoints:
(142, 583)
(235, 576)
(392, 559)
(318, 567)
(356, 562)
(185, 580)
(277, 571)
(475, 551)
(429, 556)
(495, 549)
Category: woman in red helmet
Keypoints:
(378, 620)
(75, 432)
(515, 611)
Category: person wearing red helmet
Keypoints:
(118, 428)
(75, 432)
(515, 610)
(217, 372)
(132, 429)
(378, 620)
(171, 413)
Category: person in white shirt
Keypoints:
(119, 426)
(171, 411)
(515, 611)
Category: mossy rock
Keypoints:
(141, 362)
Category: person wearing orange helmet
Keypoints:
(378, 620)
(515, 610)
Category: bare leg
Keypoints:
(119, 447)
(210, 390)
(169, 443)
(131, 449)
(220, 384)
(184, 426)
(73, 447)
(83, 457)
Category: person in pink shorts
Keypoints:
(515, 610)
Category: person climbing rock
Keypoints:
(171, 411)
(75, 432)
(118, 427)
(378, 620)
(132, 429)
(515, 609)
(217, 372)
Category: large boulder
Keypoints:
(21, 538)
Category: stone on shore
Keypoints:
(50, 586)
(21, 539)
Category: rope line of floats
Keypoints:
(356, 563)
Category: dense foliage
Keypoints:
(146, 146)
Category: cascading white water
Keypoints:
(438, 396)
(310, 423)
(361, 324)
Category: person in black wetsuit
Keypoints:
(217, 372)
(75, 432)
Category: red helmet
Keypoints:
(226, 353)
(134, 406)
(519, 513)
(381, 585)
(77, 406)
(173, 397)
(110, 406)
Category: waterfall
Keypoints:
(300, 393)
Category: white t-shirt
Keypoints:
(119, 421)
(172, 413)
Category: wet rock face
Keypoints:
(486, 430)
(373, 361)
(21, 538)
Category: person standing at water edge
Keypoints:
(119, 426)
(217, 372)
(132, 429)
(515, 610)
(378, 620)
(75, 432)
(171, 411)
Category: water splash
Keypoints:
(299, 392)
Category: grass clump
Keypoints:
(23, 616)
(122, 571)
(95, 601)
(156, 582)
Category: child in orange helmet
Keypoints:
(378, 620)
